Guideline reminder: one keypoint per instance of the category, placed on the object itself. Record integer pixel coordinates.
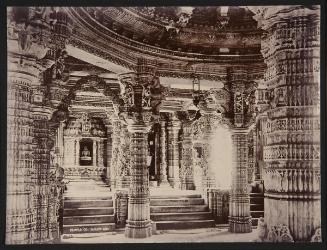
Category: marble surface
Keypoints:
(167, 236)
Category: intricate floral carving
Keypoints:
(279, 233)
(316, 237)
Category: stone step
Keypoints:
(176, 201)
(257, 214)
(88, 211)
(80, 198)
(87, 203)
(175, 196)
(88, 228)
(181, 216)
(164, 225)
(257, 195)
(88, 219)
(179, 209)
(256, 200)
(256, 207)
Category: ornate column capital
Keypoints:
(33, 31)
(141, 90)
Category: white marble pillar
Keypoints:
(173, 153)
(94, 158)
(138, 222)
(163, 154)
(239, 208)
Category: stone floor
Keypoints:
(169, 236)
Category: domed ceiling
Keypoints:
(177, 41)
(205, 30)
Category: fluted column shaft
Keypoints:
(138, 222)
(239, 208)
(173, 154)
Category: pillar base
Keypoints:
(240, 224)
(188, 185)
(164, 183)
(138, 229)
(174, 184)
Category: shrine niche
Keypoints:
(85, 137)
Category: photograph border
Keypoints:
(134, 246)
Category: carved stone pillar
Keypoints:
(115, 152)
(42, 144)
(187, 170)
(77, 149)
(69, 160)
(141, 93)
(25, 163)
(251, 156)
(100, 153)
(29, 38)
(123, 159)
(61, 143)
(292, 152)
(94, 157)
(139, 223)
(109, 155)
(163, 154)
(239, 208)
(173, 153)
(20, 222)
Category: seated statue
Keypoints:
(86, 154)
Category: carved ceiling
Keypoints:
(191, 29)
(211, 41)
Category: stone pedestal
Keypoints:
(138, 222)
(239, 208)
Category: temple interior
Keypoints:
(163, 124)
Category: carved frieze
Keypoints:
(279, 233)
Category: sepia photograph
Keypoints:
(163, 124)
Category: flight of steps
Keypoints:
(180, 212)
(256, 205)
(87, 208)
